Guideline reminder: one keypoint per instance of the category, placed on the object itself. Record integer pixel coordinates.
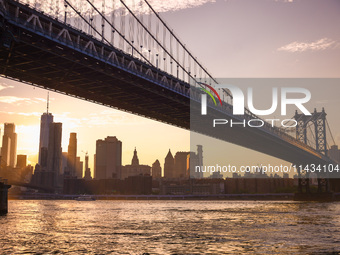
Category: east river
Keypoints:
(169, 227)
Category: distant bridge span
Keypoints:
(30, 186)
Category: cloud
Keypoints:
(138, 6)
(39, 99)
(175, 5)
(103, 118)
(284, 1)
(37, 114)
(22, 113)
(68, 122)
(13, 99)
(5, 86)
(322, 44)
(21, 100)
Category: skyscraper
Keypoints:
(5, 151)
(0, 152)
(79, 168)
(135, 160)
(200, 159)
(156, 170)
(135, 168)
(108, 158)
(64, 162)
(334, 153)
(9, 146)
(72, 155)
(94, 165)
(54, 155)
(87, 169)
(21, 161)
(196, 159)
(45, 121)
(180, 165)
(169, 166)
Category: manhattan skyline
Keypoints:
(170, 127)
(242, 46)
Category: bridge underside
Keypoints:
(38, 61)
(253, 138)
(33, 57)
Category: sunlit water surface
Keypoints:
(169, 227)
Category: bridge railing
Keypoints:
(136, 30)
(69, 36)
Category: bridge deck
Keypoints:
(94, 72)
(43, 51)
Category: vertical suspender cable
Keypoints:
(157, 38)
(103, 22)
(150, 41)
(164, 45)
(113, 14)
(183, 64)
(141, 27)
(132, 27)
(122, 28)
(57, 8)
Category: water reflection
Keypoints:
(170, 227)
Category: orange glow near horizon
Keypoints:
(23, 105)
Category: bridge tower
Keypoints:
(301, 127)
(318, 119)
(320, 131)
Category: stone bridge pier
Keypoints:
(4, 198)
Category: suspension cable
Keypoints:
(109, 24)
(330, 131)
(152, 36)
(314, 139)
(171, 32)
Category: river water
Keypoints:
(170, 227)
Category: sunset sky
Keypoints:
(232, 38)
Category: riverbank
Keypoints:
(253, 197)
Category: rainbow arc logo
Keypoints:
(209, 93)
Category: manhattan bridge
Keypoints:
(122, 54)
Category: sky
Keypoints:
(232, 38)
